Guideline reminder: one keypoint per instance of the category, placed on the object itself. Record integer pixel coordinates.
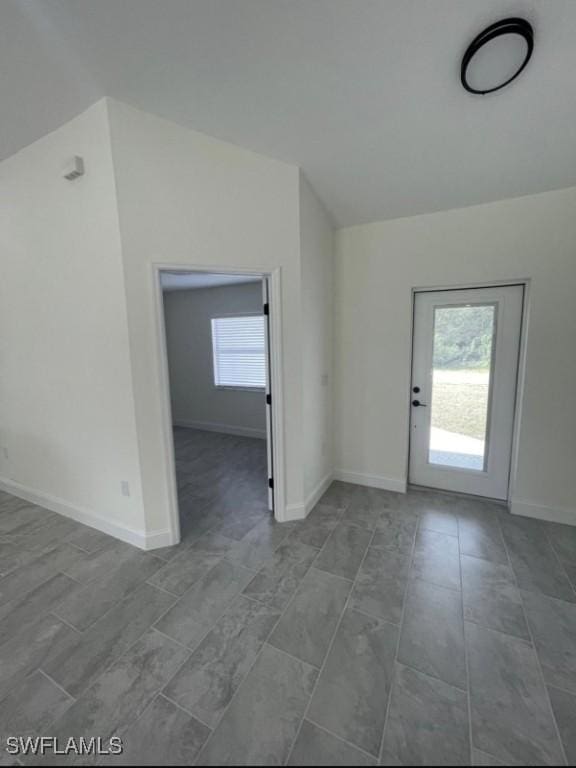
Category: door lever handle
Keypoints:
(418, 404)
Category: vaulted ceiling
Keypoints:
(364, 95)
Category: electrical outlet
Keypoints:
(125, 487)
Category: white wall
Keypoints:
(186, 199)
(67, 426)
(317, 255)
(377, 266)
(81, 406)
(196, 401)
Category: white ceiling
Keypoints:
(185, 281)
(364, 95)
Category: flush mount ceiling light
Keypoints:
(497, 55)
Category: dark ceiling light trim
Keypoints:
(512, 26)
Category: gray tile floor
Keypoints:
(418, 629)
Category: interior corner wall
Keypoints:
(196, 401)
(379, 264)
(187, 199)
(67, 426)
(317, 258)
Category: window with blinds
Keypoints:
(239, 351)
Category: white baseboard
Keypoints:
(294, 512)
(226, 429)
(140, 539)
(372, 481)
(318, 492)
(301, 511)
(540, 512)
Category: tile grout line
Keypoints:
(537, 655)
(66, 623)
(332, 640)
(172, 640)
(162, 692)
(182, 709)
(400, 628)
(121, 656)
(466, 655)
(334, 736)
(50, 679)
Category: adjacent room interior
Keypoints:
(287, 424)
(218, 370)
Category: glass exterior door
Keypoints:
(465, 360)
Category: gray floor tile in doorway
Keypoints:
(184, 570)
(310, 620)
(344, 551)
(553, 626)
(381, 585)
(262, 722)
(351, 697)
(258, 546)
(427, 722)
(511, 716)
(238, 529)
(315, 746)
(163, 735)
(315, 530)
(491, 597)
(432, 636)
(194, 615)
(206, 683)
(437, 559)
(277, 581)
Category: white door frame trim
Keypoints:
(525, 282)
(275, 319)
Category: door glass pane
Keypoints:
(462, 361)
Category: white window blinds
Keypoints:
(239, 351)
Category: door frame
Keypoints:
(520, 376)
(273, 278)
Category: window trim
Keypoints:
(234, 387)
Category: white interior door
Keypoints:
(269, 436)
(464, 372)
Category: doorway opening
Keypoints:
(465, 362)
(217, 344)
